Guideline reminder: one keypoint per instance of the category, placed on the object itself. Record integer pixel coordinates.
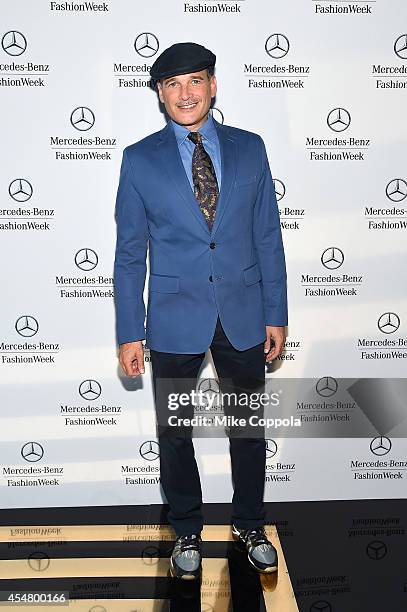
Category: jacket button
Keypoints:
(212, 245)
(210, 278)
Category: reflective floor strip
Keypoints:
(106, 533)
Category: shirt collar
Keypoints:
(207, 130)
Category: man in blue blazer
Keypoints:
(201, 196)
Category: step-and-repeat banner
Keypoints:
(325, 84)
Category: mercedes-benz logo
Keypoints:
(217, 115)
(338, 119)
(396, 190)
(376, 550)
(209, 387)
(380, 446)
(279, 189)
(277, 46)
(326, 386)
(271, 448)
(26, 326)
(38, 561)
(86, 259)
(332, 258)
(32, 452)
(400, 47)
(146, 44)
(82, 118)
(90, 389)
(150, 450)
(97, 609)
(150, 555)
(14, 43)
(321, 606)
(388, 322)
(20, 190)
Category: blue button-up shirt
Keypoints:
(186, 147)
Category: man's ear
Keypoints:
(160, 92)
(214, 86)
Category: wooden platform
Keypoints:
(29, 568)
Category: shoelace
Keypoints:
(188, 542)
(256, 537)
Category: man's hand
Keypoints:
(131, 357)
(278, 335)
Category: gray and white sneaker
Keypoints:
(260, 551)
(186, 557)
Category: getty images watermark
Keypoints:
(325, 407)
(236, 407)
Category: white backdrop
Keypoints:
(324, 83)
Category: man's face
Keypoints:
(187, 97)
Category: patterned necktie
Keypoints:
(204, 178)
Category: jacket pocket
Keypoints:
(163, 283)
(252, 275)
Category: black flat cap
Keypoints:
(181, 58)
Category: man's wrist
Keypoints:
(130, 341)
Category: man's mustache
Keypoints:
(187, 102)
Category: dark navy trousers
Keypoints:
(179, 472)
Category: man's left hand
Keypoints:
(278, 335)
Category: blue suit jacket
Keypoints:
(236, 270)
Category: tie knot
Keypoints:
(196, 137)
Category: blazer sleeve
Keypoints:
(269, 246)
(130, 257)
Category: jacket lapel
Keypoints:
(228, 168)
(173, 165)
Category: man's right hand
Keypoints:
(131, 358)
